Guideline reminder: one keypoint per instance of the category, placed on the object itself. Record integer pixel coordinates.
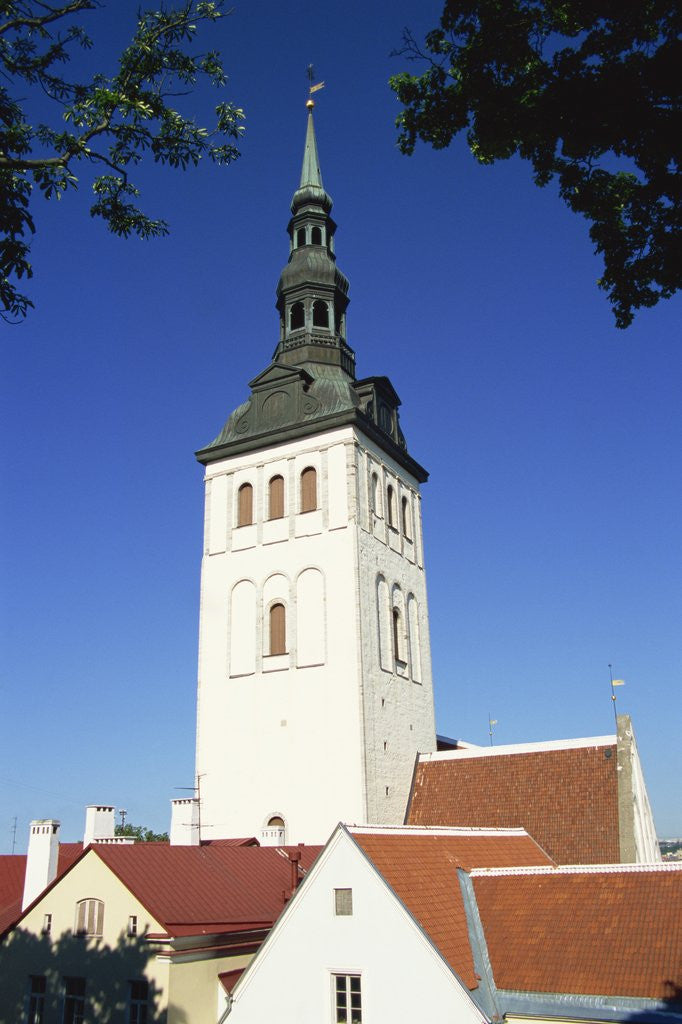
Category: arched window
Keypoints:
(273, 832)
(316, 236)
(278, 629)
(309, 490)
(320, 313)
(405, 517)
(397, 638)
(390, 506)
(245, 508)
(89, 917)
(296, 316)
(375, 495)
(276, 498)
(300, 236)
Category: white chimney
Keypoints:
(99, 823)
(184, 830)
(41, 859)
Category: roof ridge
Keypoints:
(439, 830)
(579, 869)
(517, 748)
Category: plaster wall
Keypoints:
(305, 735)
(402, 976)
(107, 963)
(196, 995)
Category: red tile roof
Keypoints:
(205, 889)
(12, 872)
(566, 797)
(615, 931)
(228, 979)
(422, 871)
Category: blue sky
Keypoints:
(553, 440)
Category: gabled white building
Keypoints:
(314, 690)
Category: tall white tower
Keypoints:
(314, 660)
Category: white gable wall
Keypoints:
(403, 978)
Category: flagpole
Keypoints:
(614, 684)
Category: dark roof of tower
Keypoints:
(310, 385)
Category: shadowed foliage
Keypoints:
(589, 93)
(105, 125)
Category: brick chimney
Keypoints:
(41, 859)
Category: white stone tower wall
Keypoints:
(301, 735)
(397, 693)
(279, 735)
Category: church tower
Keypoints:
(314, 661)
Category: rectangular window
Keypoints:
(343, 902)
(132, 924)
(347, 999)
(36, 999)
(47, 924)
(74, 1001)
(138, 1002)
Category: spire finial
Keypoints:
(310, 72)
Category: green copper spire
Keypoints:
(310, 171)
(311, 385)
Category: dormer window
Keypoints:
(296, 316)
(320, 313)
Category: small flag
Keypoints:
(618, 682)
(314, 88)
(493, 721)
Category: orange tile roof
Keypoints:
(422, 871)
(614, 931)
(566, 798)
(204, 889)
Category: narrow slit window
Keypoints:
(375, 492)
(396, 634)
(390, 503)
(309, 490)
(405, 515)
(245, 509)
(278, 639)
(276, 497)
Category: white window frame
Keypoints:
(345, 1015)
